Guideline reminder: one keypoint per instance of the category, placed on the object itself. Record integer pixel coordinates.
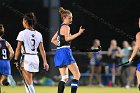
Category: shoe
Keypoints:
(5, 82)
(139, 87)
(11, 81)
(127, 86)
(101, 85)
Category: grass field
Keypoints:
(82, 89)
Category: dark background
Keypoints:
(122, 14)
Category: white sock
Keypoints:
(27, 89)
(113, 79)
(30, 88)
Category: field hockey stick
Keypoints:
(122, 64)
(23, 80)
(18, 68)
(91, 50)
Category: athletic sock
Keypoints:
(27, 89)
(30, 88)
(61, 87)
(74, 86)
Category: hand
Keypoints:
(81, 30)
(16, 64)
(46, 66)
(130, 60)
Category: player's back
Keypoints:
(4, 52)
(31, 40)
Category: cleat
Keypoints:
(11, 81)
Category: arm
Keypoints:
(43, 54)
(10, 50)
(136, 47)
(66, 32)
(54, 39)
(18, 50)
(109, 51)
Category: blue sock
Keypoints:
(74, 86)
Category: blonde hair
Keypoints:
(64, 13)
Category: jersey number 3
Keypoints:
(33, 44)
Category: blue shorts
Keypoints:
(63, 57)
(95, 62)
(5, 68)
(138, 66)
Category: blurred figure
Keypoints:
(135, 51)
(95, 62)
(6, 54)
(114, 53)
(132, 67)
(125, 56)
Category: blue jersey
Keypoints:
(97, 56)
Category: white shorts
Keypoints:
(31, 63)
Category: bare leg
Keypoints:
(3, 77)
(76, 74)
(131, 75)
(64, 79)
(28, 78)
(92, 74)
(138, 77)
(74, 70)
(99, 68)
(113, 74)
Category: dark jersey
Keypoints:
(114, 58)
(61, 39)
(4, 53)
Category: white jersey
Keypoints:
(31, 40)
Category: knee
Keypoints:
(79, 75)
(29, 82)
(65, 78)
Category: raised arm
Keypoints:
(65, 30)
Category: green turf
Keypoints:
(82, 89)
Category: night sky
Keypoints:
(123, 14)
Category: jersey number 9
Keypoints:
(4, 54)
